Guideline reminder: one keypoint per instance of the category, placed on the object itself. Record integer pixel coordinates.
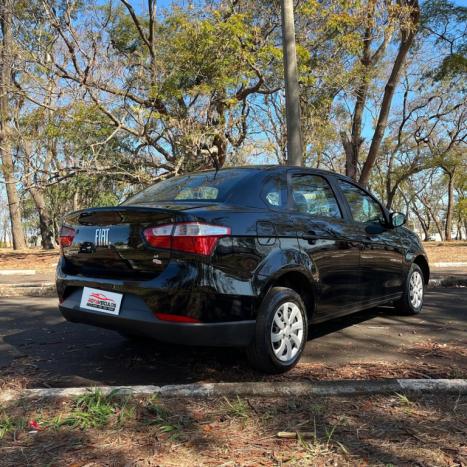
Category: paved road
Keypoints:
(35, 342)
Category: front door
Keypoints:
(324, 235)
(381, 252)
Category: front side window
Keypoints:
(363, 207)
(312, 195)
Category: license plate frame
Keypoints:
(101, 301)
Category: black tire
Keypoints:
(260, 352)
(406, 306)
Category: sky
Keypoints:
(141, 7)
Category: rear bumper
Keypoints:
(183, 288)
(136, 318)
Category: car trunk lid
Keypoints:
(109, 242)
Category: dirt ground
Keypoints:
(430, 360)
(446, 251)
(97, 430)
(39, 349)
(42, 260)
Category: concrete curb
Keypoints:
(447, 281)
(17, 272)
(449, 264)
(46, 289)
(260, 389)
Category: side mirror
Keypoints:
(397, 219)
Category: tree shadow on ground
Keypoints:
(385, 429)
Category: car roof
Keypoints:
(279, 168)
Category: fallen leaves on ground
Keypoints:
(360, 430)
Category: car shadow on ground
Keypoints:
(40, 349)
(66, 354)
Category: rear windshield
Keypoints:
(207, 186)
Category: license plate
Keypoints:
(101, 300)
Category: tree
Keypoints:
(444, 21)
(408, 30)
(183, 103)
(453, 162)
(6, 57)
(352, 47)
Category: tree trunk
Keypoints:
(352, 145)
(425, 224)
(45, 221)
(390, 194)
(448, 225)
(76, 200)
(5, 145)
(408, 35)
(437, 223)
(425, 227)
(292, 89)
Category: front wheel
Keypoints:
(281, 332)
(411, 301)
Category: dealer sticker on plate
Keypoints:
(101, 300)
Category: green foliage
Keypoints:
(453, 65)
(237, 408)
(9, 424)
(124, 36)
(6, 425)
(97, 113)
(94, 410)
(445, 20)
(157, 414)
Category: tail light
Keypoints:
(67, 234)
(190, 237)
(176, 318)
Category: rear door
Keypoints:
(324, 234)
(382, 253)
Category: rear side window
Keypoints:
(274, 192)
(363, 207)
(312, 195)
(207, 186)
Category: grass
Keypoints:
(320, 446)
(404, 400)
(94, 410)
(10, 424)
(6, 425)
(237, 408)
(158, 415)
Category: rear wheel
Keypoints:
(281, 332)
(411, 301)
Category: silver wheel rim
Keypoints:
(416, 289)
(287, 331)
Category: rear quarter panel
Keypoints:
(263, 246)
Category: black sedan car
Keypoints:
(246, 257)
